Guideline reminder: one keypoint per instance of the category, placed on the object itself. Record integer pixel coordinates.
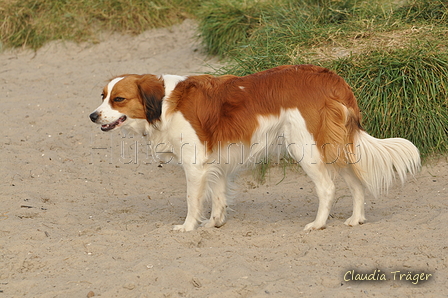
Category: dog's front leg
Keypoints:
(195, 197)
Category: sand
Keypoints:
(81, 216)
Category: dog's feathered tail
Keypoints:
(377, 161)
(342, 141)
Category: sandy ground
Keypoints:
(80, 215)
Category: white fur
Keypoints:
(379, 160)
(380, 157)
(107, 114)
(170, 82)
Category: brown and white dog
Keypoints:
(216, 125)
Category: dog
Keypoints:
(215, 125)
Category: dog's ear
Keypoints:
(152, 91)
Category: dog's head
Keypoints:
(130, 97)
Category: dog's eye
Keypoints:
(102, 96)
(119, 99)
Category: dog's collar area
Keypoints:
(110, 126)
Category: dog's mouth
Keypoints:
(110, 126)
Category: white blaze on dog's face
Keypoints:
(106, 116)
(128, 97)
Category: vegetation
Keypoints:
(402, 93)
(31, 23)
(394, 57)
(392, 53)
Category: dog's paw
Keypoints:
(354, 221)
(208, 224)
(314, 226)
(184, 228)
(180, 228)
(214, 222)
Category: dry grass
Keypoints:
(31, 23)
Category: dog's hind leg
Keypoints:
(220, 190)
(357, 190)
(218, 193)
(300, 144)
(319, 174)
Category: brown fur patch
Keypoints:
(225, 109)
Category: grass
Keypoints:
(226, 23)
(402, 93)
(393, 55)
(31, 23)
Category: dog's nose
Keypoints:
(94, 116)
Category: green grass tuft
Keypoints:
(435, 12)
(402, 93)
(224, 24)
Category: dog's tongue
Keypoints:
(110, 126)
(107, 127)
